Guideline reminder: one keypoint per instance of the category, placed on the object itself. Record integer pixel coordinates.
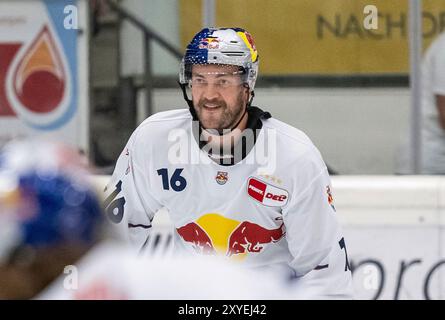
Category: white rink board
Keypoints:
(394, 230)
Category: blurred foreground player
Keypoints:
(49, 215)
(50, 219)
(236, 182)
(113, 272)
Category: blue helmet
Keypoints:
(45, 197)
(225, 46)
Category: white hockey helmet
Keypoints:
(225, 46)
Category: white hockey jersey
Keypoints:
(274, 208)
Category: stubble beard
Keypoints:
(223, 119)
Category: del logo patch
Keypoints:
(266, 194)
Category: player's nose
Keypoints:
(211, 92)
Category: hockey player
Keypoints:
(236, 182)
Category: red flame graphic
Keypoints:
(7, 54)
(39, 80)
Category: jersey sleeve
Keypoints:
(332, 280)
(310, 217)
(318, 249)
(129, 202)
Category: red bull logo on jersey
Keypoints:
(266, 194)
(194, 234)
(215, 234)
(221, 177)
(251, 237)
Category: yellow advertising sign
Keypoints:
(322, 37)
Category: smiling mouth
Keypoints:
(211, 107)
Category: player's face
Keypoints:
(219, 96)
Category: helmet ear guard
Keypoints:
(188, 100)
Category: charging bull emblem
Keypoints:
(214, 233)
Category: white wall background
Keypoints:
(152, 13)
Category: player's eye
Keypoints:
(198, 82)
(225, 83)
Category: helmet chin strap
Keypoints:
(195, 115)
(189, 102)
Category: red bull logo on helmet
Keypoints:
(215, 234)
(209, 43)
(266, 194)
